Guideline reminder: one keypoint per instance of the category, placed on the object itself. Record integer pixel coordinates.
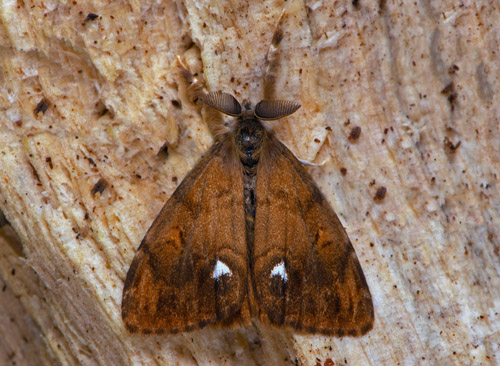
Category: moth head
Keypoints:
(266, 110)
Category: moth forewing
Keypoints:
(191, 267)
(307, 275)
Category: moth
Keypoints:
(247, 235)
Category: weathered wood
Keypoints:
(401, 96)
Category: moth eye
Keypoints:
(279, 271)
(220, 270)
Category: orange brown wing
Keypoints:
(191, 267)
(305, 271)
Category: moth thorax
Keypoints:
(248, 136)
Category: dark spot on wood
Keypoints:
(35, 174)
(329, 362)
(163, 152)
(42, 106)
(380, 194)
(450, 92)
(49, 161)
(450, 145)
(355, 133)
(177, 104)
(100, 186)
(343, 171)
(451, 98)
(91, 161)
(355, 3)
(101, 109)
(453, 69)
(90, 17)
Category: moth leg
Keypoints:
(195, 91)
(273, 60)
(196, 87)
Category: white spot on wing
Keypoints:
(279, 270)
(221, 269)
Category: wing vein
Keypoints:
(233, 215)
(187, 248)
(311, 258)
(301, 213)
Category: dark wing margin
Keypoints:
(191, 267)
(305, 270)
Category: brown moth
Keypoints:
(247, 235)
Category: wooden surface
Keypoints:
(420, 79)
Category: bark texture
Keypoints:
(400, 101)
